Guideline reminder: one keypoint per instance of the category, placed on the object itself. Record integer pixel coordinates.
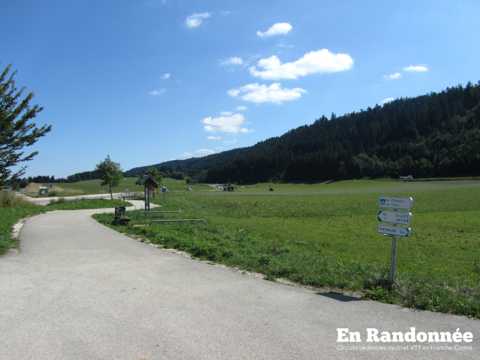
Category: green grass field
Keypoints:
(85, 204)
(325, 235)
(12, 210)
(95, 187)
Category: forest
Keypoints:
(434, 135)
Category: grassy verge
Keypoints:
(11, 211)
(85, 204)
(94, 187)
(325, 236)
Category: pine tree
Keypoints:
(17, 128)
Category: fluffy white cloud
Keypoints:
(261, 93)
(231, 123)
(241, 108)
(386, 100)
(320, 61)
(166, 76)
(157, 92)
(204, 152)
(416, 68)
(282, 28)
(214, 138)
(195, 20)
(198, 153)
(393, 76)
(234, 60)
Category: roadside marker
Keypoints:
(395, 217)
(391, 222)
(395, 203)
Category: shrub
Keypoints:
(8, 199)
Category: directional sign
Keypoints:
(394, 217)
(391, 230)
(395, 203)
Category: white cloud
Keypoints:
(198, 153)
(195, 20)
(261, 93)
(393, 76)
(275, 30)
(226, 113)
(157, 92)
(386, 100)
(166, 76)
(214, 138)
(234, 60)
(232, 123)
(416, 68)
(285, 46)
(320, 61)
(204, 152)
(241, 108)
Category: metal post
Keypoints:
(393, 263)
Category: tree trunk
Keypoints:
(111, 192)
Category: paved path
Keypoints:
(78, 290)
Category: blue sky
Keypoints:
(152, 80)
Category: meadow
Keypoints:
(11, 211)
(83, 204)
(324, 235)
(94, 187)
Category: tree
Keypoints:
(17, 129)
(155, 174)
(110, 173)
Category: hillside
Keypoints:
(431, 135)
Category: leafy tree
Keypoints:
(17, 128)
(155, 174)
(110, 174)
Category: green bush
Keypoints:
(8, 199)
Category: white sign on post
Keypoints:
(391, 230)
(390, 224)
(394, 217)
(395, 203)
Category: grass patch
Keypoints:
(12, 210)
(83, 204)
(325, 235)
(94, 187)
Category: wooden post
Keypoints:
(393, 262)
(146, 198)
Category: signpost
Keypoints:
(395, 203)
(392, 223)
(394, 217)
